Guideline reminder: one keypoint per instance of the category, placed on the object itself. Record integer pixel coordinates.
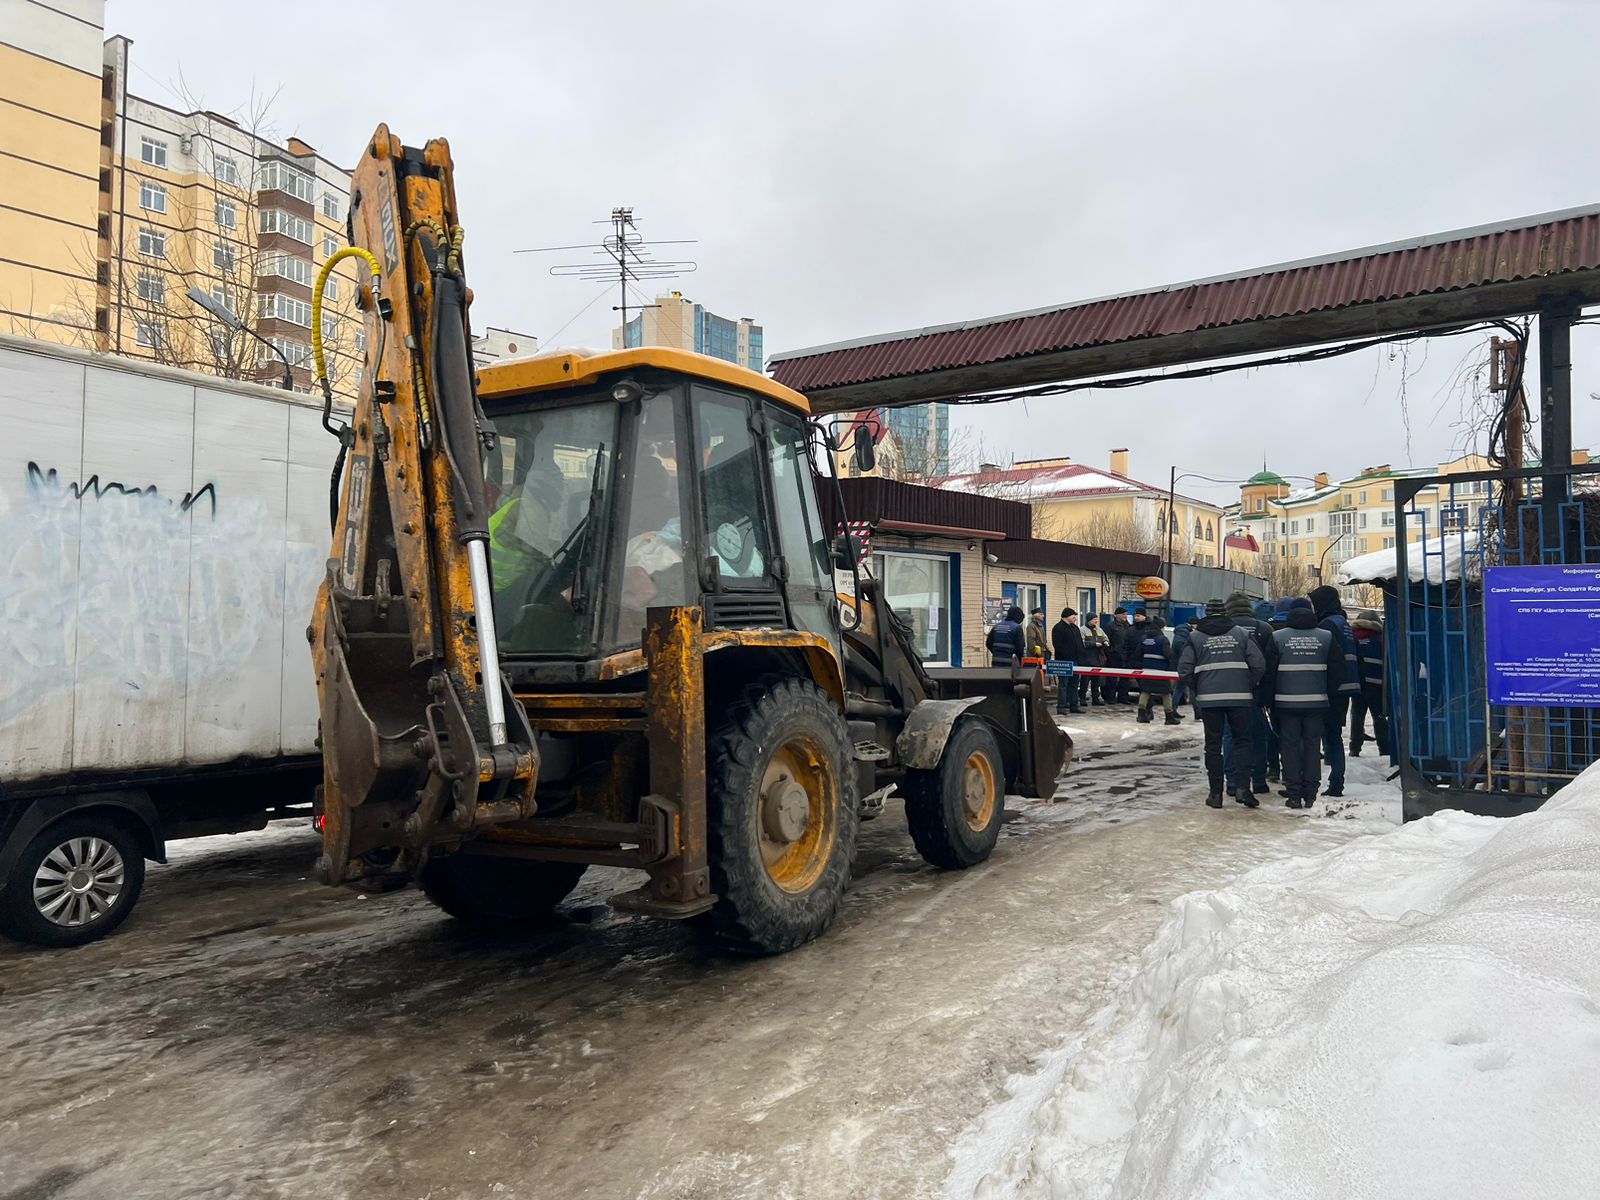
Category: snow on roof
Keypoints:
(1441, 557)
(1278, 1031)
(1049, 483)
(1306, 495)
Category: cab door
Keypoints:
(806, 565)
(739, 563)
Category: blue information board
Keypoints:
(1542, 635)
(1057, 666)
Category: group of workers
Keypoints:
(1274, 685)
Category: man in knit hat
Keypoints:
(1241, 609)
(1222, 664)
(1305, 667)
(1330, 615)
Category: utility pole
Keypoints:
(1505, 379)
(1172, 495)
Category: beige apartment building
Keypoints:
(1103, 506)
(1322, 526)
(117, 205)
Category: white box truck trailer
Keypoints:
(162, 534)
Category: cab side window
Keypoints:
(801, 538)
(730, 500)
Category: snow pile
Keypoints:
(1414, 1014)
(1440, 556)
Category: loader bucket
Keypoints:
(1013, 702)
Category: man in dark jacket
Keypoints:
(1067, 643)
(1330, 615)
(1239, 608)
(1096, 649)
(1124, 653)
(1223, 665)
(1368, 631)
(1156, 653)
(1305, 668)
(1276, 620)
(1005, 640)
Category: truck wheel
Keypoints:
(75, 882)
(954, 810)
(497, 893)
(781, 817)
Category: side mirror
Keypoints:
(846, 552)
(866, 455)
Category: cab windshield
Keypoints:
(550, 478)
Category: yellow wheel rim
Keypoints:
(797, 815)
(979, 795)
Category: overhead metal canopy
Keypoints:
(1432, 282)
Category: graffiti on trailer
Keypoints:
(138, 601)
(39, 479)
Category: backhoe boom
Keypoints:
(423, 741)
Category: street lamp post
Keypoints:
(1329, 551)
(220, 311)
(1172, 497)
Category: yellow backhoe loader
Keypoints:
(581, 609)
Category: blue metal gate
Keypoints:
(1455, 749)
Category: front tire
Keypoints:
(954, 811)
(497, 893)
(76, 881)
(781, 817)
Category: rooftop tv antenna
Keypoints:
(621, 257)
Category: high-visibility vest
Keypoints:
(508, 561)
(1340, 628)
(1221, 669)
(1302, 683)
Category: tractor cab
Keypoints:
(638, 479)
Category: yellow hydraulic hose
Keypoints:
(316, 303)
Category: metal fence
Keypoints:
(1455, 748)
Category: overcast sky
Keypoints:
(856, 168)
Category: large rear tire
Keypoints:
(954, 811)
(75, 882)
(781, 817)
(497, 893)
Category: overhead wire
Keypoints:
(1316, 354)
(547, 341)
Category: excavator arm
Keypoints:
(423, 742)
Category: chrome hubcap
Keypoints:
(78, 881)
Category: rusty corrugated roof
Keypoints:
(871, 498)
(1074, 556)
(1538, 247)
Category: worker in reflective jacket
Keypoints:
(1305, 670)
(1222, 665)
(1006, 641)
(1156, 653)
